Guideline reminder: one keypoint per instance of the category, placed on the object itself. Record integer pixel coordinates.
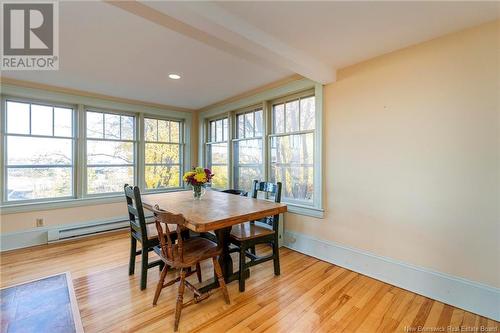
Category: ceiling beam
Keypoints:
(210, 24)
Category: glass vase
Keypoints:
(198, 192)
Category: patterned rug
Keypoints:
(44, 305)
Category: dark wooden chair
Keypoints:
(246, 235)
(140, 231)
(236, 192)
(182, 255)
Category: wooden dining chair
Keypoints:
(142, 232)
(182, 255)
(246, 235)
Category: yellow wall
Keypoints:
(412, 156)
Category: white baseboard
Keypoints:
(468, 295)
(21, 239)
(44, 235)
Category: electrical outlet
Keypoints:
(39, 222)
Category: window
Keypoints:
(217, 152)
(248, 149)
(62, 151)
(110, 151)
(39, 144)
(162, 153)
(292, 148)
(277, 140)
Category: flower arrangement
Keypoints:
(197, 178)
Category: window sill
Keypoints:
(89, 201)
(13, 208)
(306, 210)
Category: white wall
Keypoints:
(65, 216)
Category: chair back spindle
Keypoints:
(171, 250)
(273, 189)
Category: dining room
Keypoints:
(239, 166)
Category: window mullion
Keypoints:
(3, 124)
(103, 126)
(41, 136)
(38, 166)
(215, 128)
(120, 127)
(182, 150)
(266, 128)
(53, 122)
(140, 150)
(230, 124)
(81, 147)
(169, 131)
(292, 133)
(30, 119)
(284, 117)
(253, 124)
(318, 146)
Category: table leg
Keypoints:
(225, 260)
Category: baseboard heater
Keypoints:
(86, 229)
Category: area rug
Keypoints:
(44, 305)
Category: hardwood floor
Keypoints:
(309, 296)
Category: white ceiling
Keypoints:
(226, 48)
(106, 50)
(344, 33)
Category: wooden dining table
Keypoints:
(217, 212)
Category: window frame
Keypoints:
(182, 145)
(4, 150)
(272, 134)
(227, 141)
(266, 98)
(79, 103)
(234, 142)
(85, 139)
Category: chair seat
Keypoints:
(248, 230)
(195, 250)
(153, 232)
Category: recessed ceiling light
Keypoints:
(174, 76)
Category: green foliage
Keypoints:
(162, 165)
